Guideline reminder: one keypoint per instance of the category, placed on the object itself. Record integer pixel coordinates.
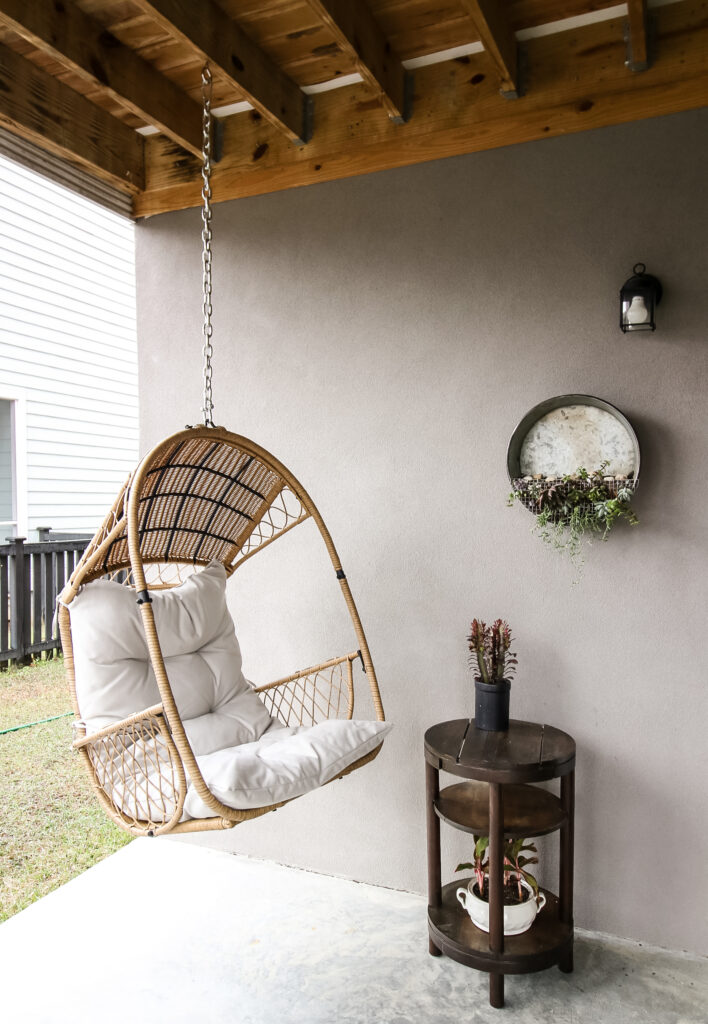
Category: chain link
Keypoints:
(208, 350)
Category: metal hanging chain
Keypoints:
(208, 350)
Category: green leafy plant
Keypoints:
(514, 859)
(578, 506)
(480, 864)
(514, 864)
(490, 650)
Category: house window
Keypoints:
(8, 516)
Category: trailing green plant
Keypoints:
(580, 505)
(515, 864)
(490, 650)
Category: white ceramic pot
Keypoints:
(518, 917)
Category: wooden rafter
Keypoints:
(81, 43)
(216, 37)
(39, 107)
(637, 43)
(577, 82)
(358, 34)
(143, 57)
(498, 40)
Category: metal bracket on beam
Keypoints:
(630, 62)
(408, 94)
(217, 139)
(521, 69)
(308, 119)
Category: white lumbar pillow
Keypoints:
(114, 676)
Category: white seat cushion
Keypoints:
(283, 764)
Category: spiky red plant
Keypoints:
(490, 650)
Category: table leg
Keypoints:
(432, 792)
(496, 991)
(496, 888)
(565, 879)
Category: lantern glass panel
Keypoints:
(638, 310)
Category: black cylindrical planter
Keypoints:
(491, 705)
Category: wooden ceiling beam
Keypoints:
(637, 41)
(358, 34)
(206, 29)
(499, 41)
(81, 43)
(40, 108)
(578, 82)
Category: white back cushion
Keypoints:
(114, 677)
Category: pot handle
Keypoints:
(462, 897)
(541, 900)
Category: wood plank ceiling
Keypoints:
(314, 90)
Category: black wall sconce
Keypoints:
(639, 297)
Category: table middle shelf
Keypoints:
(528, 810)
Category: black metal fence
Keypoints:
(31, 576)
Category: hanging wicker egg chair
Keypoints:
(202, 496)
(174, 737)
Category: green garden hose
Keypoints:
(40, 721)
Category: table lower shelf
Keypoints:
(547, 942)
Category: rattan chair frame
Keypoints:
(228, 498)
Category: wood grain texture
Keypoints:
(66, 34)
(353, 26)
(528, 810)
(206, 29)
(491, 21)
(526, 752)
(290, 34)
(38, 107)
(577, 80)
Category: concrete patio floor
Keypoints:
(167, 932)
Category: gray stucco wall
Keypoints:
(382, 336)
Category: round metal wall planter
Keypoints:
(562, 434)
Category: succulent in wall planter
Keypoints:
(581, 505)
(494, 662)
(569, 505)
(522, 896)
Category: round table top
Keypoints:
(527, 752)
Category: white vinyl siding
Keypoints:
(70, 176)
(68, 346)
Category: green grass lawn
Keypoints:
(51, 826)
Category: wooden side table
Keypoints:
(500, 800)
